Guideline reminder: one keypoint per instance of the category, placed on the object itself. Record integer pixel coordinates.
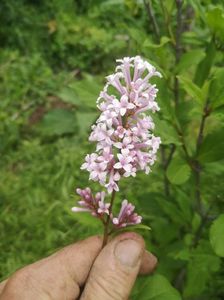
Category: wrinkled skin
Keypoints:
(83, 271)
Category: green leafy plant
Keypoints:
(50, 52)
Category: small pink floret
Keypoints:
(126, 216)
(90, 203)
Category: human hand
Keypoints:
(102, 274)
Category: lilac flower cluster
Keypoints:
(126, 216)
(125, 142)
(98, 208)
(95, 205)
(123, 132)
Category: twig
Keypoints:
(206, 113)
(199, 232)
(106, 227)
(204, 216)
(178, 29)
(177, 47)
(152, 19)
(197, 167)
(173, 148)
(165, 163)
(178, 282)
(184, 147)
(165, 179)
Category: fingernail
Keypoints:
(128, 252)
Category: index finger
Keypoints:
(57, 277)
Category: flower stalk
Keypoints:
(107, 224)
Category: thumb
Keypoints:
(115, 269)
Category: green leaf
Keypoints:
(183, 254)
(196, 221)
(58, 122)
(112, 3)
(140, 226)
(157, 287)
(201, 268)
(184, 205)
(171, 210)
(178, 171)
(82, 93)
(206, 89)
(215, 19)
(191, 89)
(164, 100)
(216, 92)
(212, 148)
(205, 65)
(190, 58)
(85, 120)
(149, 44)
(216, 236)
(166, 131)
(87, 220)
(68, 95)
(131, 228)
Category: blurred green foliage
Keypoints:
(53, 58)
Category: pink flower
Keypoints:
(119, 132)
(90, 159)
(124, 138)
(126, 143)
(125, 68)
(103, 207)
(114, 80)
(126, 216)
(124, 160)
(108, 117)
(101, 133)
(95, 205)
(122, 106)
(123, 132)
(112, 185)
(98, 172)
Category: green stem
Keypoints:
(107, 223)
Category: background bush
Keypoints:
(53, 58)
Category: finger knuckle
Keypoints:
(24, 280)
(109, 287)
